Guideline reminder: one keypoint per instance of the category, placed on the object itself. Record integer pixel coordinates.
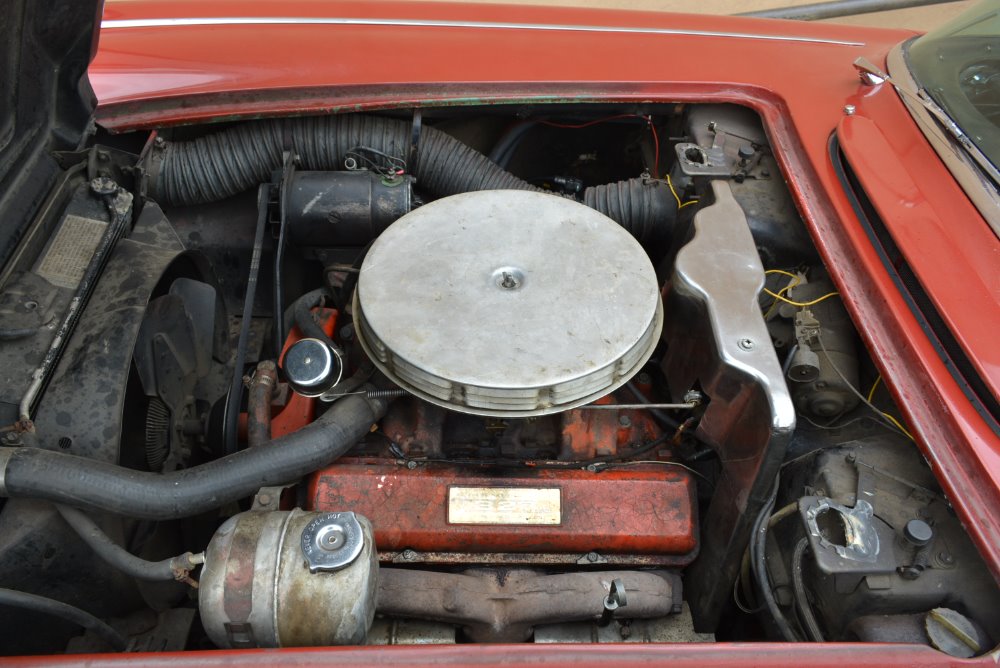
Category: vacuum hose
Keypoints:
(236, 159)
(82, 482)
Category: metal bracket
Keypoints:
(719, 342)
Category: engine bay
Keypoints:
(548, 373)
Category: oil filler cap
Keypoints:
(312, 367)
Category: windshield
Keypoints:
(959, 66)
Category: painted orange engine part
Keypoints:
(639, 510)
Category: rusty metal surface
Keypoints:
(262, 388)
(642, 510)
(504, 605)
(587, 434)
(257, 591)
(541, 559)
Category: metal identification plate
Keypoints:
(505, 505)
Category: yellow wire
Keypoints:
(783, 273)
(680, 205)
(898, 425)
(796, 279)
(801, 304)
(871, 392)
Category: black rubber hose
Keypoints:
(302, 313)
(238, 158)
(19, 333)
(758, 558)
(82, 482)
(48, 606)
(503, 150)
(117, 556)
(801, 598)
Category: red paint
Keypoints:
(800, 89)
(154, 76)
(773, 655)
(636, 510)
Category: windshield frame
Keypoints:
(982, 190)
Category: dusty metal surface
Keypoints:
(257, 590)
(519, 303)
(678, 628)
(504, 606)
(81, 410)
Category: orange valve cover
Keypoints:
(439, 508)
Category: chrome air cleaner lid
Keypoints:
(507, 303)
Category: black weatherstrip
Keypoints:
(933, 325)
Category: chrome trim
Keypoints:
(431, 23)
(978, 187)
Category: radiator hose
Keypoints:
(236, 159)
(88, 483)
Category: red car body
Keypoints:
(175, 62)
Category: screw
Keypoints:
(409, 555)
(946, 558)
(624, 421)
(592, 557)
(849, 109)
(746, 344)
(264, 499)
(851, 458)
(411, 465)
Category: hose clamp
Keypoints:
(5, 454)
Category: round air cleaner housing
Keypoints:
(507, 303)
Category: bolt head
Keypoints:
(849, 109)
(624, 421)
(409, 555)
(592, 557)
